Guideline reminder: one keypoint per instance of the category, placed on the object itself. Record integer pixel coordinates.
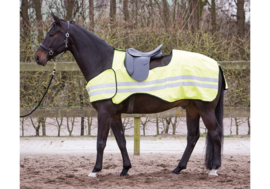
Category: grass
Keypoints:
(228, 136)
(203, 134)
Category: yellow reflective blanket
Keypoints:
(188, 76)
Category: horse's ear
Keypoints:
(56, 19)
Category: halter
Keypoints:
(51, 52)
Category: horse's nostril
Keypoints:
(37, 58)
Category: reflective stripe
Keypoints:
(154, 88)
(158, 81)
(105, 91)
(168, 85)
(99, 86)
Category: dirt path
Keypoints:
(160, 144)
(150, 170)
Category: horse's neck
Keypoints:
(91, 55)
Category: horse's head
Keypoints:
(55, 41)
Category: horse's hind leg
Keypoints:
(193, 128)
(214, 141)
(118, 131)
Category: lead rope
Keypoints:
(53, 73)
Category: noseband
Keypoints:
(51, 52)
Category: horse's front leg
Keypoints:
(118, 131)
(104, 123)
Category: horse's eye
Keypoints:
(52, 33)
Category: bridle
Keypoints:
(51, 52)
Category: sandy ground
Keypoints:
(148, 171)
(56, 166)
(165, 144)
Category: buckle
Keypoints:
(67, 34)
(51, 53)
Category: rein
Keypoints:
(51, 52)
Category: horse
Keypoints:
(93, 55)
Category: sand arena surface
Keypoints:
(148, 171)
(44, 169)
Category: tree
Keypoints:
(174, 12)
(157, 125)
(166, 13)
(89, 124)
(112, 12)
(42, 120)
(135, 12)
(170, 121)
(166, 124)
(37, 5)
(22, 124)
(195, 11)
(59, 124)
(144, 123)
(35, 127)
(174, 124)
(69, 9)
(127, 123)
(91, 15)
(25, 32)
(248, 121)
(236, 125)
(240, 18)
(125, 10)
(194, 17)
(82, 126)
(25, 17)
(70, 128)
(213, 16)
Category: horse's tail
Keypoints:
(209, 156)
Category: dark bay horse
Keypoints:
(93, 56)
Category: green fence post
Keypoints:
(137, 135)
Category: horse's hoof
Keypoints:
(175, 171)
(172, 172)
(213, 173)
(92, 174)
(122, 175)
(124, 172)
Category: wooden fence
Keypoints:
(90, 112)
(72, 66)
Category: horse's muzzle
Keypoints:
(37, 58)
(40, 59)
